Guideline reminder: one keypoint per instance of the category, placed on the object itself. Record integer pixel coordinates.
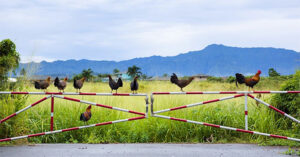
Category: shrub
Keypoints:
(289, 103)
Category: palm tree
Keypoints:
(134, 71)
(88, 74)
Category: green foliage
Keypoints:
(134, 71)
(116, 71)
(230, 79)
(289, 103)
(9, 58)
(214, 79)
(273, 72)
(88, 74)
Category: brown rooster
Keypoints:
(61, 85)
(42, 84)
(181, 83)
(250, 82)
(86, 115)
(134, 85)
(78, 84)
(115, 85)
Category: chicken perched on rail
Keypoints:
(78, 84)
(60, 84)
(134, 85)
(86, 115)
(115, 85)
(181, 83)
(250, 82)
(42, 84)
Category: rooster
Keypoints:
(250, 82)
(181, 83)
(42, 84)
(134, 85)
(115, 85)
(87, 114)
(61, 85)
(78, 84)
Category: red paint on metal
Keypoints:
(239, 95)
(194, 92)
(139, 113)
(135, 118)
(210, 101)
(38, 101)
(212, 125)
(39, 134)
(19, 92)
(53, 93)
(6, 139)
(121, 94)
(228, 92)
(261, 92)
(104, 123)
(183, 120)
(246, 131)
(158, 93)
(8, 117)
(176, 108)
(246, 112)
(293, 91)
(276, 109)
(104, 106)
(251, 96)
(72, 99)
(69, 129)
(277, 136)
(52, 110)
(87, 93)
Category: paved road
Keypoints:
(164, 150)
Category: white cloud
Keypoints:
(117, 30)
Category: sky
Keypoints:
(124, 29)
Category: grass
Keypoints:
(228, 113)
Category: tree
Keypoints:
(9, 58)
(23, 72)
(116, 71)
(134, 71)
(88, 74)
(165, 75)
(273, 72)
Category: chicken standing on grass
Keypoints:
(42, 84)
(78, 84)
(134, 85)
(86, 115)
(115, 85)
(250, 82)
(181, 83)
(60, 84)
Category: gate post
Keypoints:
(52, 110)
(246, 112)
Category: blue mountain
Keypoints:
(215, 60)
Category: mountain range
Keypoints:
(214, 60)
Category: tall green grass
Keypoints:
(228, 113)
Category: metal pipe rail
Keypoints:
(58, 95)
(246, 94)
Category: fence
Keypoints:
(246, 94)
(59, 95)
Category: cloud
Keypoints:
(118, 30)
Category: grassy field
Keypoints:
(228, 113)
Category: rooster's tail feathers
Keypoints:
(174, 78)
(239, 79)
(120, 82)
(56, 82)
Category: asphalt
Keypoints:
(144, 150)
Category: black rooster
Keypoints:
(115, 85)
(134, 85)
